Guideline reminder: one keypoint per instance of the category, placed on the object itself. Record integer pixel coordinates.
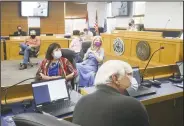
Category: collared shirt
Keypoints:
(34, 42)
(65, 68)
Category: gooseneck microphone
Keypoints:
(166, 23)
(4, 108)
(149, 62)
(6, 89)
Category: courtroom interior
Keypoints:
(91, 63)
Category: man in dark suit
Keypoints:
(19, 32)
(109, 105)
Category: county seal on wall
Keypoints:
(143, 50)
(118, 46)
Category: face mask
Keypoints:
(57, 54)
(134, 83)
(33, 36)
(98, 44)
(19, 30)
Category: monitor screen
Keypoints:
(39, 9)
(136, 74)
(180, 67)
(49, 91)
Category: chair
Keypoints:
(84, 49)
(70, 55)
(35, 119)
(33, 54)
(140, 27)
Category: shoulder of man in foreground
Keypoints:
(133, 109)
(125, 107)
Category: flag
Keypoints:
(105, 25)
(96, 24)
(87, 21)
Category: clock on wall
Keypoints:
(123, 10)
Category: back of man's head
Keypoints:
(110, 68)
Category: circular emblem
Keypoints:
(143, 50)
(118, 46)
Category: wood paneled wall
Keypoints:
(75, 10)
(10, 18)
(55, 22)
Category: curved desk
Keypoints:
(12, 45)
(173, 47)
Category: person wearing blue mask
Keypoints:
(92, 60)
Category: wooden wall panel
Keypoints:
(10, 18)
(55, 22)
(75, 10)
(171, 53)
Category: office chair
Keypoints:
(70, 55)
(33, 54)
(84, 49)
(140, 27)
(36, 119)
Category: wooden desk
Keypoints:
(2, 50)
(173, 47)
(12, 45)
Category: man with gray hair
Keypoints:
(109, 105)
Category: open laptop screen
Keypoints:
(136, 74)
(49, 91)
(180, 67)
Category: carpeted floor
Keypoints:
(10, 73)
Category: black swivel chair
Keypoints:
(35, 119)
(70, 55)
(84, 49)
(33, 54)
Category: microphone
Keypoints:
(166, 23)
(149, 62)
(6, 89)
(4, 108)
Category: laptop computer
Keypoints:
(52, 97)
(180, 68)
(142, 90)
(180, 72)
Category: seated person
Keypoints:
(76, 45)
(92, 59)
(19, 32)
(109, 105)
(55, 66)
(88, 35)
(30, 43)
(132, 26)
(82, 36)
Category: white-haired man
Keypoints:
(108, 106)
(30, 43)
